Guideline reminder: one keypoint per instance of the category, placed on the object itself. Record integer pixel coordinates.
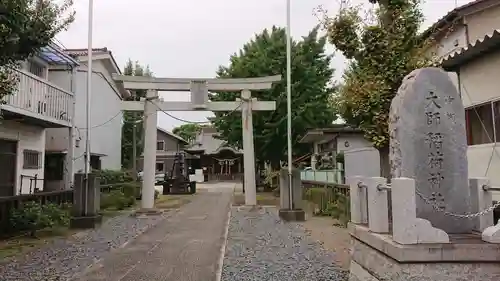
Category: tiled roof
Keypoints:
(451, 16)
(84, 52)
(172, 135)
(472, 51)
(95, 51)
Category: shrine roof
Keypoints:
(329, 133)
(208, 142)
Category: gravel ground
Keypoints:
(261, 247)
(63, 259)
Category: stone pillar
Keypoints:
(480, 200)
(248, 149)
(86, 201)
(378, 205)
(358, 199)
(148, 183)
(287, 212)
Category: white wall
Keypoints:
(478, 80)
(28, 137)
(105, 104)
(355, 142)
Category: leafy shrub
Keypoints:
(130, 191)
(32, 216)
(115, 200)
(113, 176)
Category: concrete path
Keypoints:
(185, 247)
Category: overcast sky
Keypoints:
(191, 38)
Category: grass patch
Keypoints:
(15, 246)
(172, 201)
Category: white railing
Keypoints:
(39, 96)
(324, 176)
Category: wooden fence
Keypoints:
(7, 204)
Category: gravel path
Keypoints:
(261, 247)
(64, 258)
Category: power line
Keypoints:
(197, 122)
(163, 111)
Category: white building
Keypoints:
(334, 140)
(469, 43)
(42, 135)
(105, 112)
(36, 107)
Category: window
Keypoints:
(31, 159)
(160, 166)
(160, 145)
(54, 166)
(95, 162)
(483, 123)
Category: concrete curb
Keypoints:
(218, 273)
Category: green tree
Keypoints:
(381, 52)
(132, 119)
(311, 91)
(25, 27)
(187, 131)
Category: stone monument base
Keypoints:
(85, 222)
(292, 215)
(377, 257)
(147, 212)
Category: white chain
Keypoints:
(467, 216)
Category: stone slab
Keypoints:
(463, 248)
(428, 143)
(369, 264)
(292, 215)
(147, 212)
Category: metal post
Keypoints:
(289, 97)
(134, 147)
(89, 89)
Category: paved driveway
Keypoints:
(184, 247)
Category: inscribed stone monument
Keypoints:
(428, 143)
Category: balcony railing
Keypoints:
(40, 99)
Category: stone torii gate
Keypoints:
(199, 89)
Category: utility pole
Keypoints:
(89, 90)
(289, 97)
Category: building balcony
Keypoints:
(39, 102)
